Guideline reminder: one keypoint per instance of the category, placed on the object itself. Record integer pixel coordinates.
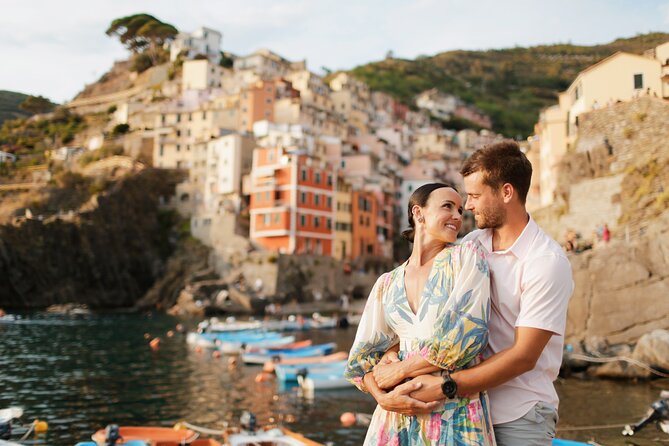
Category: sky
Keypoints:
(53, 48)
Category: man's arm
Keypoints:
(398, 400)
(521, 357)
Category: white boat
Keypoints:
(272, 437)
(229, 325)
(237, 347)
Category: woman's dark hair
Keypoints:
(419, 197)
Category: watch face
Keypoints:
(449, 388)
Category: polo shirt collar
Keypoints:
(521, 246)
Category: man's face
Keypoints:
(485, 203)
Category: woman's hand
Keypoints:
(401, 401)
(389, 374)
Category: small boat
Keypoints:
(323, 381)
(147, 436)
(314, 350)
(277, 436)
(287, 347)
(229, 325)
(249, 435)
(290, 372)
(211, 340)
(238, 347)
(334, 357)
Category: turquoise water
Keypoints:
(82, 373)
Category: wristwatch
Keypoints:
(448, 387)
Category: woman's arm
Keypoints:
(388, 374)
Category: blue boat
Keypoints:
(263, 357)
(290, 372)
(561, 442)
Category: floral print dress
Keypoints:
(449, 330)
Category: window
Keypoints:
(266, 219)
(178, 148)
(303, 220)
(317, 200)
(319, 249)
(303, 197)
(162, 149)
(329, 180)
(190, 116)
(178, 117)
(317, 222)
(362, 221)
(178, 132)
(304, 174)
(318, 178)
(329, 202)
(328, 223)
(277, 218)
(267, 196)
(204, 115)
(638, 81)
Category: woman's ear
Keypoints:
(417, 214)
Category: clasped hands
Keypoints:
(413, 397)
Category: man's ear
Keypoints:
(508, 192)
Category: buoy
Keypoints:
(40, 426)
(216, 354)
(198, 349)
(347, 419)
(155, 342)
(268, 367)
(180, 328)
(147, 336)
(170, 333)
(289, 418)
(262, 377)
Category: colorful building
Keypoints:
(292, 202)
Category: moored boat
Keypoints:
(277, 436)
(311, 351)
(146, 436)
(288, 373)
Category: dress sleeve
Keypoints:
(373, 338)
(461, 328)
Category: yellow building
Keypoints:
(620, 77)
(200, 75)
(343, 221)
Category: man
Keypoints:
(531, 283)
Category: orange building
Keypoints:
(365, 211)
(257, 104)
(292, 202)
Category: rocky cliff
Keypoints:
(618, 174)
(107, 256)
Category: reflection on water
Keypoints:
(83, 373)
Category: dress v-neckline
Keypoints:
(421, 298)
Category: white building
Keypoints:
(201, 75)
(202, 41)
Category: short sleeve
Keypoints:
(461, 330)
(547, 285)
(373, 338)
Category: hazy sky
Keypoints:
(54, 48)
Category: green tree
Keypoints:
(142, 33)
(36, 104)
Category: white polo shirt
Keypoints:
(531, 286)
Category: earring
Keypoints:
(421, 220)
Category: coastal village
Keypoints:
(241, 206)
(290, 174)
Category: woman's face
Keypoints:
(443, 214)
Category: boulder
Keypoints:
(653, 349)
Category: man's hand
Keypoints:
(389, 374)
(401, 401)
(430, 388)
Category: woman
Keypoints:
(434, 309)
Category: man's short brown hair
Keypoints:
(501, 163)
